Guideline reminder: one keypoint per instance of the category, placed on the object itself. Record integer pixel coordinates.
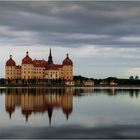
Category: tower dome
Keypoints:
(27, 59)
(10, 62)
(67, 61)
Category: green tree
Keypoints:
(16, 81)
(136, 77)
(59, 80)
(131, 78)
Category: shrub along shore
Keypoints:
(79, 82)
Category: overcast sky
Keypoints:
(102, 38)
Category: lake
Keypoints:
(90, 112)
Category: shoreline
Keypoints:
(64, 86)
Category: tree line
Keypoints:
(132, 80)
(79, 81)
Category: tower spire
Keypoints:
(50, 52)
(50, 61)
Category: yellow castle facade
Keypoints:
(39, 69)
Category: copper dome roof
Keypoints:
(27, 59)
(67, 61)
(10, 62)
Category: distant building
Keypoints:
(78, 82)
(89, 83)
(103, 83)
(69, 83)
(113, 83)
(39, 69)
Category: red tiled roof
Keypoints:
(18, 67)
(52, 67)
(89, 80)
(27, 60)
(59, 66)
(67, 61)
(10, 62)
(39, 63)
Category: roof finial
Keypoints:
(27, 53)
(10, 56)
(67, 55)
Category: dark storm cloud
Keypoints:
(98, 34)
(108, 23)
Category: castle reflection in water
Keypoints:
(39, 100)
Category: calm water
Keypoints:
(69, 113)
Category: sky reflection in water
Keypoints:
(70, 113)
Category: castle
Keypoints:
(39, 69)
